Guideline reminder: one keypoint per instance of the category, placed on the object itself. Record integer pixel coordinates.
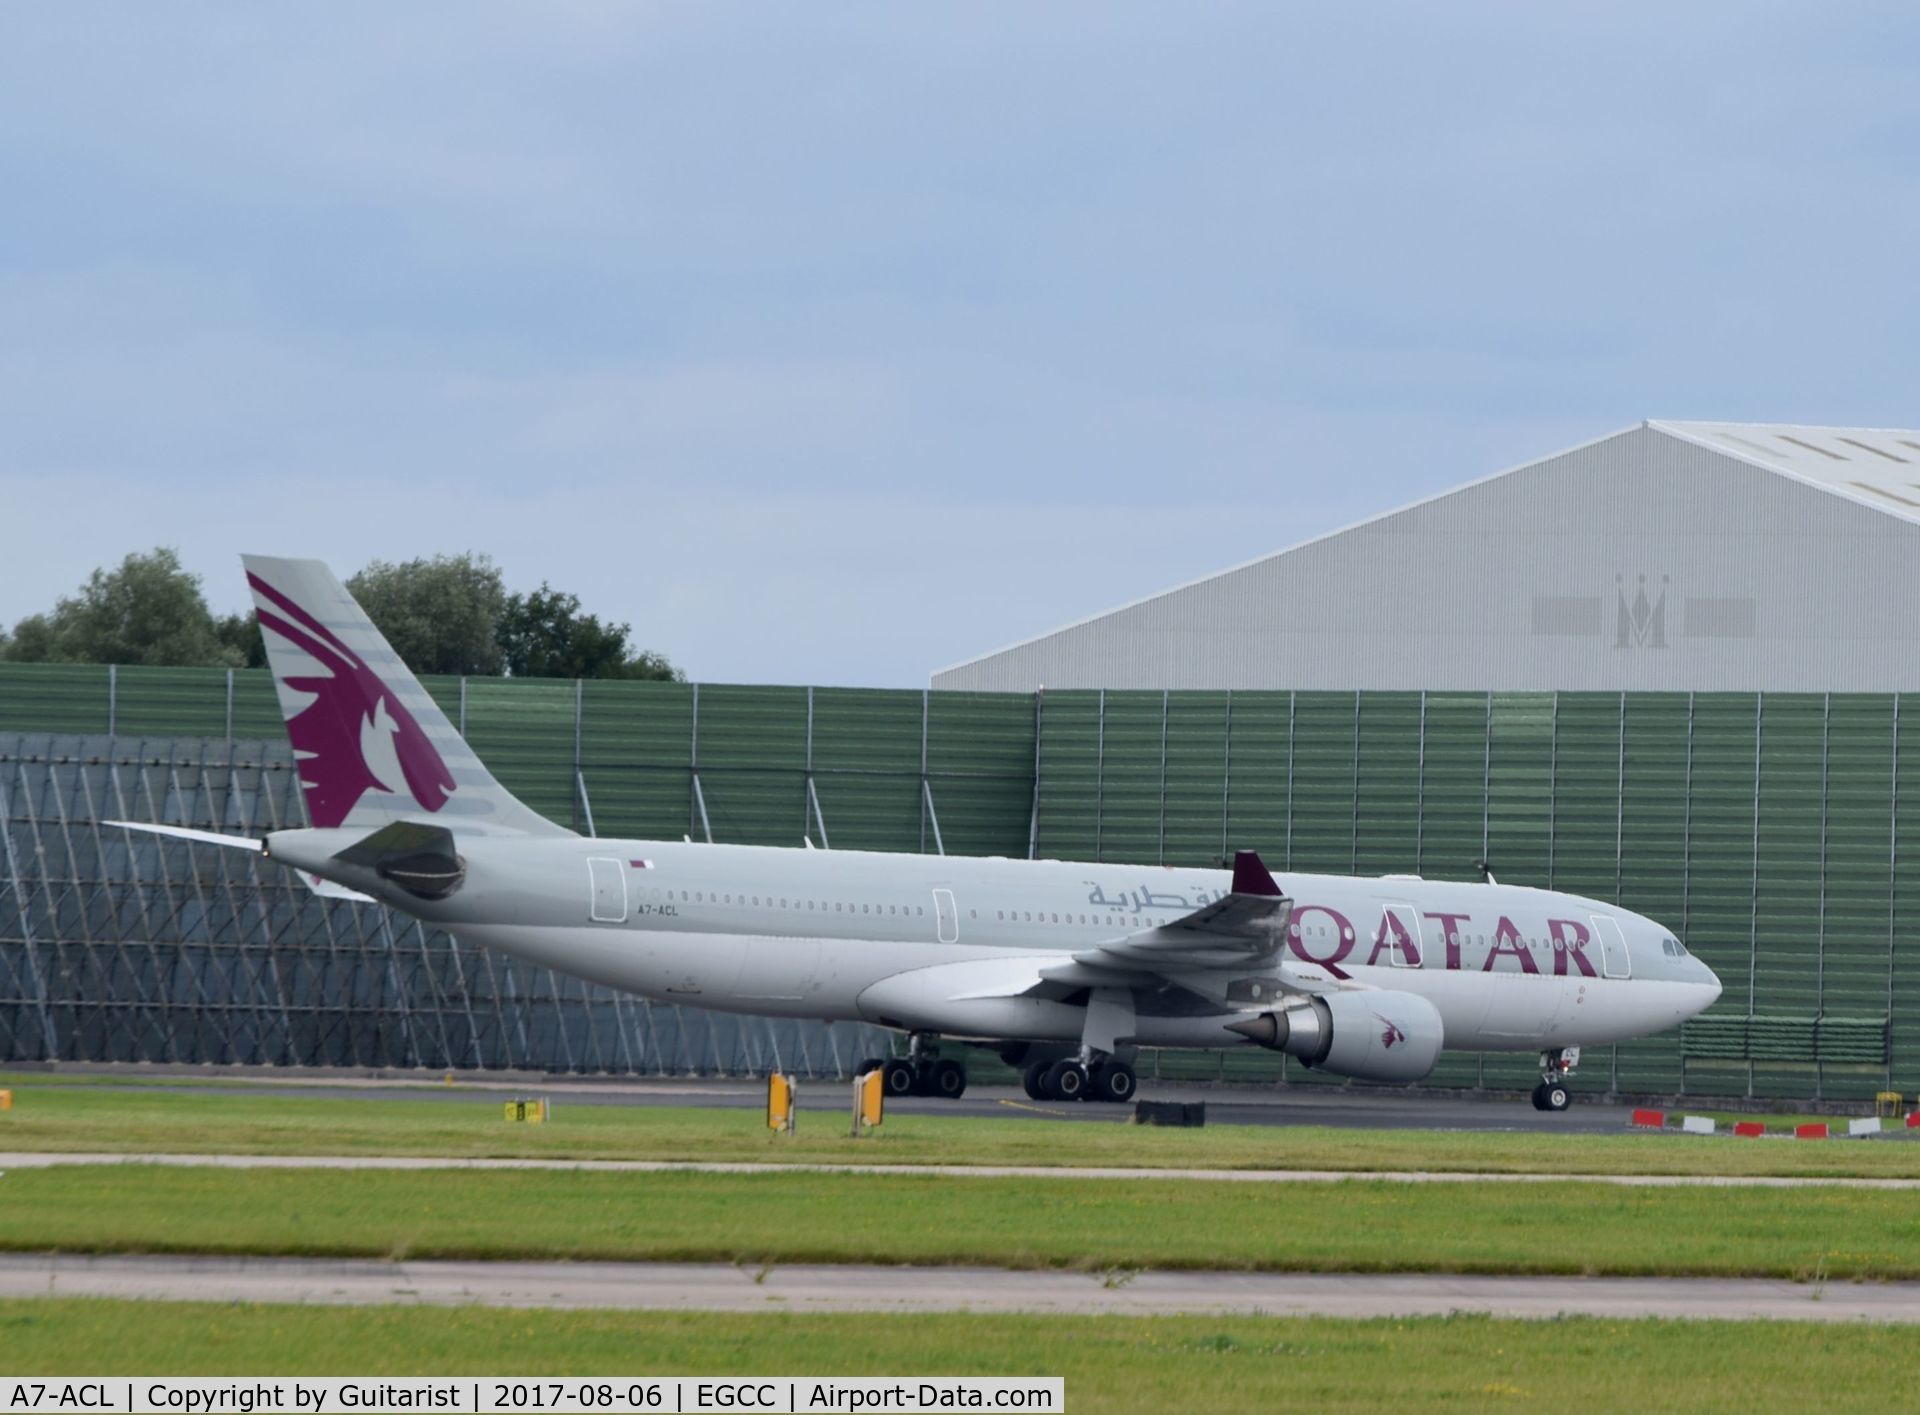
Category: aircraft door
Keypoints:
(1402, 926)
(946, 916)
(1615, 962)
(609, 891)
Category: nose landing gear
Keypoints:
(1552, 1094)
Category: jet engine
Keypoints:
(1375, 1036)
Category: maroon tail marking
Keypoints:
(326, 733)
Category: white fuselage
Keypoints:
(946, 944)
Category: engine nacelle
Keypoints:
(1375, 1036)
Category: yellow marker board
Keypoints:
(869, 1101)
(527, 1112)
(6, 1100)
(780, 1102)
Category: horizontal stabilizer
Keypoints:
(326, 889)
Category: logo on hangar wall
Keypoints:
(1640, 622)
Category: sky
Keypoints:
(836, 344)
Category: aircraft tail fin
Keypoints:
(371, 746)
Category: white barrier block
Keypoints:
(1697, 1124)
(1868, 1126)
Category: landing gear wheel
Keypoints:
(1552, 1096)
(1114, 1081)
(948, 1080)
(1067, 1081)
(872, 1063)
(1034, 1079)
(899, 1078)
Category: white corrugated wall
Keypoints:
(1753, 582)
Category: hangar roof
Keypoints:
(1879, 466)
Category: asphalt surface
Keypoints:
(1355, 1107)
(23, 1160)
(715, 1287)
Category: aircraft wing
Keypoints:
(1243, 929)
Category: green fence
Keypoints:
(1777, 834)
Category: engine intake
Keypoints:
(1374, 1036)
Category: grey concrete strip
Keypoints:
(52, 1159)
(722, 1288)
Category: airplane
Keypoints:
(1065, 968)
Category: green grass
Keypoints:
(1332, 1226)
(1110, 1364)
(97, 1119)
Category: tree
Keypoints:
(148, 610)
(544, 635)
(240, 633)
(441, 615)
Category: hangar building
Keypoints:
(1673, 556)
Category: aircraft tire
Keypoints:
(1555, 1096)
(899, 1078)
(872, 1063)
(1067, 1081)
(948, 1080)
(1034, 1081)
(1114, 1082)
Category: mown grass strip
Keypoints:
(1339, 1226)
(99, 1120)
(1111, 1364)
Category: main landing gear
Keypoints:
(919, 1073)
(1072, 1079)
(1552, 1093)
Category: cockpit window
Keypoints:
(1673, 948)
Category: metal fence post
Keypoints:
(579, 776)
(1033, 818)
(1164, 697)
(1753, 892)
(1100, 774)
(1893, 880)
(1226, 796)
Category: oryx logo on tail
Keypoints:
(355, 736)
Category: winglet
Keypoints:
(1250, 876)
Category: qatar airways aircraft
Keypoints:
(1065, 968)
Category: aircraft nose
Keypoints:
(1712, 980)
